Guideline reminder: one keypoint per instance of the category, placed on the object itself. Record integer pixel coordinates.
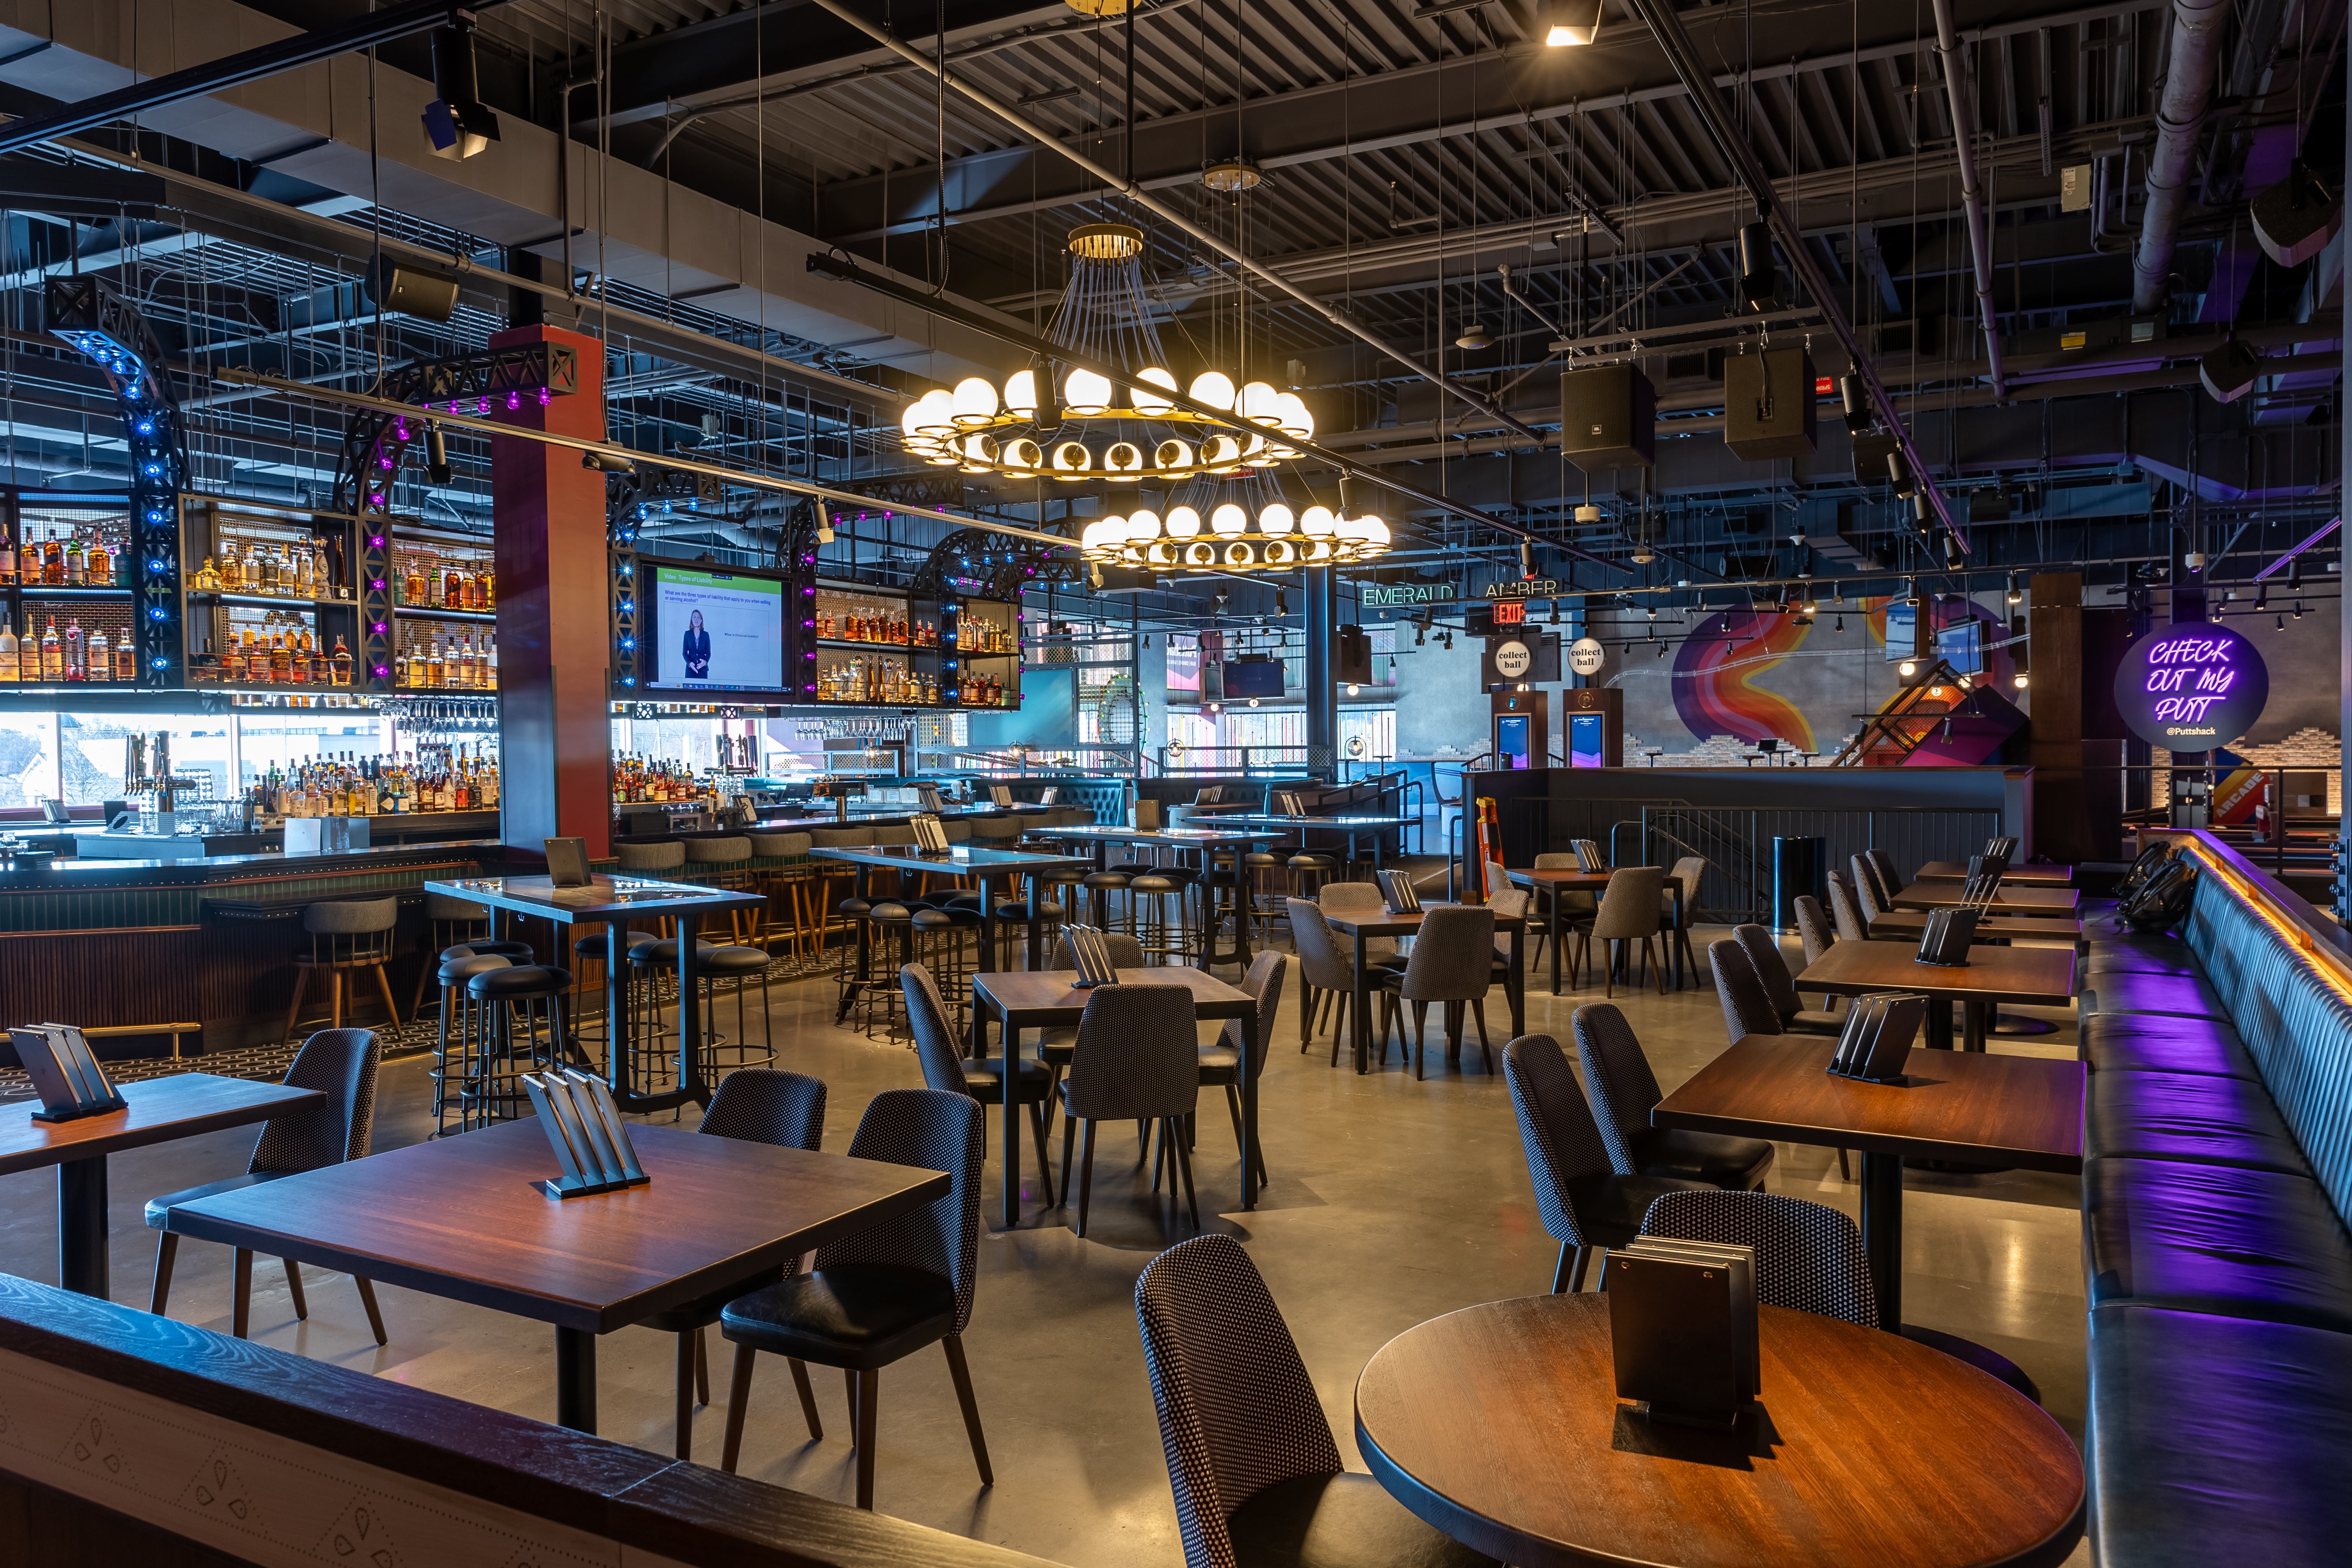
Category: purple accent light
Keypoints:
(2194, 687)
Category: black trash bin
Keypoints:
(1798, 866)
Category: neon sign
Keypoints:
(2192, 687)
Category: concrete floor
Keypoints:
(1392, 1202)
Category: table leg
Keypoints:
(616, 991)
(1249, 1107)
(1882, 1232)
(689, 1020)
(985, 963)
(1675, 938)
(575, 1379)
(1974, 1018)
(1036, 924)
(1360, 1004)
(83, 1263)
(1940, 1024)
(1556, 902)
(1008, 1045)
(1517, 988)
(1242, 897)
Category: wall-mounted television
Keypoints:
(1961, 646)
(1248, 678)
(710, 628)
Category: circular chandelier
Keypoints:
(1276, 539)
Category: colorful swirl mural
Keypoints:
(1716, 671)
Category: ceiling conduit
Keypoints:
(1961, 91)
(2197, 30)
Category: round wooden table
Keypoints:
(1500, 1427)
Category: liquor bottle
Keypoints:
(76, 563)
(316, 657)
(343, 663)
(494, 661)
(7, 556)
(101, 656)
(232, 662)
(252, 569)
(53, 653)
(414, 588)
(437, 668)
(306, 580)
(53, 562)
(98, 567)
(28, 555)
(7, 651)
(453, 587)
(489, 587)
(126, 662)
(297, 658)
(265, 570)
(281, 660)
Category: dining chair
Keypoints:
(1510, 902)
(881, 1295)
(1628, 912)
(757, 1105)
(1771, 967)
(1868, 901)
(1625, 1090)
(1850, 926)
(945, 1067)
(1576, 905)
(340, 1064)
(1452, 962)
(1137, 1059)
(1688, 872)
(1890, 880)
(1813, 930)
(1326, 970)
(1251, 1457)
(1584, 1200)
(1361, 898)
(1220, 1061)
(1809, 1256)
(1746, 1008)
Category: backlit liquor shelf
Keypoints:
(869, 646)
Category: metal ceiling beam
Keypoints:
(1961, 89)
(1707, 104)
(236, 70)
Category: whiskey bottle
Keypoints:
(98, 567)
(8, 651)
(126, 662)
(76, 564)
(341, 664)
(101, 656)
(28, 555)
(53, 652)
(7, 557)
(53, 562)
(412, 589)
(281, 660)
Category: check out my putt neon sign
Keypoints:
(2192, 687)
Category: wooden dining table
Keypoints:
(2014, 900)
(1909, 925)
(159, 1109)
(2033, 976)
(1557, 881)
(1024, 999)
(1499, 1426)
(2036, 876)
(1363, 924)
(464, 1218)
(2023, 1112)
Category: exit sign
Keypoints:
(1510, 612)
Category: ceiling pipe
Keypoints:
(1706, 102)
(1960, 93)
(1042, 136)
(2198, 26)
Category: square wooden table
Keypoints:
(2014, 877)
(463, 1218)
(2037, 976)
(1557, 881)
(1909, 925)
(1049, 998)
(614, 902)
(160, 1109)
(2015, 900)
(1364, 924)
(2019, 1112)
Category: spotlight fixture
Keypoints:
(456, 121)
(437, 455)
(1354, 690)
(2281, 623)
(1841, 624)
(1571, 24)
(1588, 512)
(1555, 612)
(1907, 668)
(2295, 219)
(1899, 474)
(2230, 372)
(1218, 602)
(2263, 597)
(1281, 603)
(1420, 635)
(1854, 400)
(1662, 648)
(824, 523)
(1759, 278)
(2016, 595)
(2298, 609)
(1527, 559)
(1474, 337)
(2294, 575)
(2194, 561)
(607, 463)
(1911, 593)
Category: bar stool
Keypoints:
(345, 938)
(449, 922)
(661, 862)
(1099, 887)
(793, 883)
(588, 952)
(653, 964)
(523, 1008)
(893, 923)
(1308, 872)
(1265, 876)
(853, 914)
(1148, 900)
(726, 863)
(939, 933)
(458, 965)
(741, 964)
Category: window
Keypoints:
(91, 753)
(28, 760)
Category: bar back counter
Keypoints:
(2218, 1144)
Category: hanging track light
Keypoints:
(456, 121)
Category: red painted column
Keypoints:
(554, 718)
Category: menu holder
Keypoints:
(928, 797)
(1092, 955)
(1683, 1329)
(1286, 804)
(1397, 891)
(1984, 881)
(63, 1073)
(1588, 854)
(1875, 1044)
(2003, 849)
(1001, 793)
(1946, 938)
(584, 1128)
(929, 835)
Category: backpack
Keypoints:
(2162, 900)
(2152, 859)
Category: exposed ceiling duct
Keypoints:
(2198, 26)
(1959, 89)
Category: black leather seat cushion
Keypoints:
(2137, 961)
(1610, 1207)
(984, 1082)
(664, 951)
(592, 945)
(732, 961)
(2188, 1116)
(2212, 1238)
(1712, 1159)
(859, 1315)
(2179, 996)
(2217, 1440)
(2145, 1042)
(1345, 1521)
(159, 1208)
(702, 1313)
(529, 980)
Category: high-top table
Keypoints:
(1362, 925)
(614, 902)
(2035, 976)
(1206, 841)
(1049, 998)
(985, 867)
(2018, 1111)
(2014, 877)
(1500, 1425)
(2014, 900)
(160, 1109)
(462, 1218)
(1352, 828)
(1558, 881)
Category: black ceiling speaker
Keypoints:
(1759, 283)
(411, 290)
(2295, 219)
(2231, 371)
(1608, 418)
(456, 121)
(437, 455)
(1768, 405)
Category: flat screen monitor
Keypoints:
(714, 630)
(1248, 678)
(1587, 746)
(1961, 646)
(1511, 739)
(1898, 630)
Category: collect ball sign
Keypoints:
(1586, 656)
(1513, 660)
(2191, 688)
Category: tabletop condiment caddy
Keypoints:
(1683, 1329)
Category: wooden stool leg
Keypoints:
(335, 991)
(869, 1390)
(294, 1009)
(808, 1397)
(294, 1289)
(384, 988)
(241, 1293)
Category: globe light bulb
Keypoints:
(1084, 392)
(1021, 393)
(1213, 387)
(974, 401)
(1183, 522)
(1145, 403)
(1229, 521)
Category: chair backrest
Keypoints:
(997, 827)
(1126, 951)
(1690, 870)
(1809, 1256)
(957, 832)
(1453, 955)
(1263, 981)
(1138, 1054)
(1336, 896)
(935, 1131)
(780, 846)
(340, 1064)
(1866, 890)
(1558, 860)
(1771, 967)
(841, 838)
(1890, 882)
(768, 1105)
(1237, 1411)
(1618, 1078)
(1628, 905)
(1842, 909)
(1746, 1010)
(666, 856)
(895, 833)
(1322, 961)
(1563, 1143)
(1812, 927)
(933, 1024)
(722, 851)
(1502, 896)
(350, 917)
